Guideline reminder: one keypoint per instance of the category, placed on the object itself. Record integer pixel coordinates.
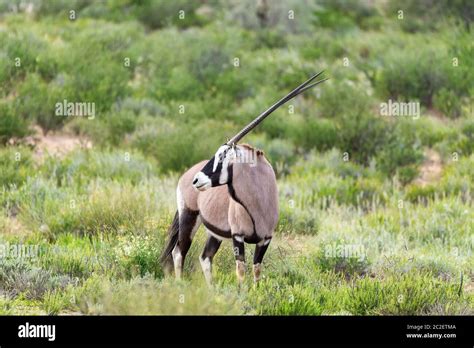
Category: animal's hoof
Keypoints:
(257, 270)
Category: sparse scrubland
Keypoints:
(376, 212)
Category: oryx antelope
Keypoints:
(234, 195)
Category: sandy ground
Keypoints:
(53, 144)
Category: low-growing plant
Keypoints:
(16, 164)
(11, 125)
(17, 278)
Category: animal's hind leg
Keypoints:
(212, 245)
(188, 224)
(260, 250)
(239, 252)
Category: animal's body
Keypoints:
(244, 209)
(234, 195)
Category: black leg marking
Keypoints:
(239, 247)
(187, 221)
(212, 245)
(260, 250)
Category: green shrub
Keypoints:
(20, 49)
(448, 102)
(344, 13)
(100, 208)
(340, 99)
(83, 166)
(402, 154)
(271, 299)
(118, 126)
(431, 130)
(362, 136)
(75, 257)
(160, 13)
(16, 165)
(404, 294)
(297, 217)
(418, 194)
(37, 101)
(11, 125)
(343, 257)
(466, 141)
(457, 177)
(48, 8)
(177, 147)
(426, 14)
(209, 64)
(17, 278)
(320, 134)
(140, 107)
(107, 81)
(422, 73)
(140, 255)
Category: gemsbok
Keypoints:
(234, 195)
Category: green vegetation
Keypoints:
(376, 212)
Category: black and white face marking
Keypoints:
(217, 171)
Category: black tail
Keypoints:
(173, 234)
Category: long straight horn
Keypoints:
(300, 89)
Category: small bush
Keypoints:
(11, 125)
(81, 167)
(19, 278)
(362, 136)
(119, 125)
(343, 257)
(37, 100)
(140, 255)
(466, 141)
(418, 194)
(404, 294)
(320, 134)
(179, 147)
(402, 154)
(448, 102)
(160, 13)
(342, 99)
(101, 208)
(17, 166)
(424, 74)
(271, 299)
(344, 14)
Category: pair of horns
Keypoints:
(298, 90)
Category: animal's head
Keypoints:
(218, 169)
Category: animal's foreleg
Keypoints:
(260, 251)
(239, 252)
(212, 245)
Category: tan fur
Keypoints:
(255, 186)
